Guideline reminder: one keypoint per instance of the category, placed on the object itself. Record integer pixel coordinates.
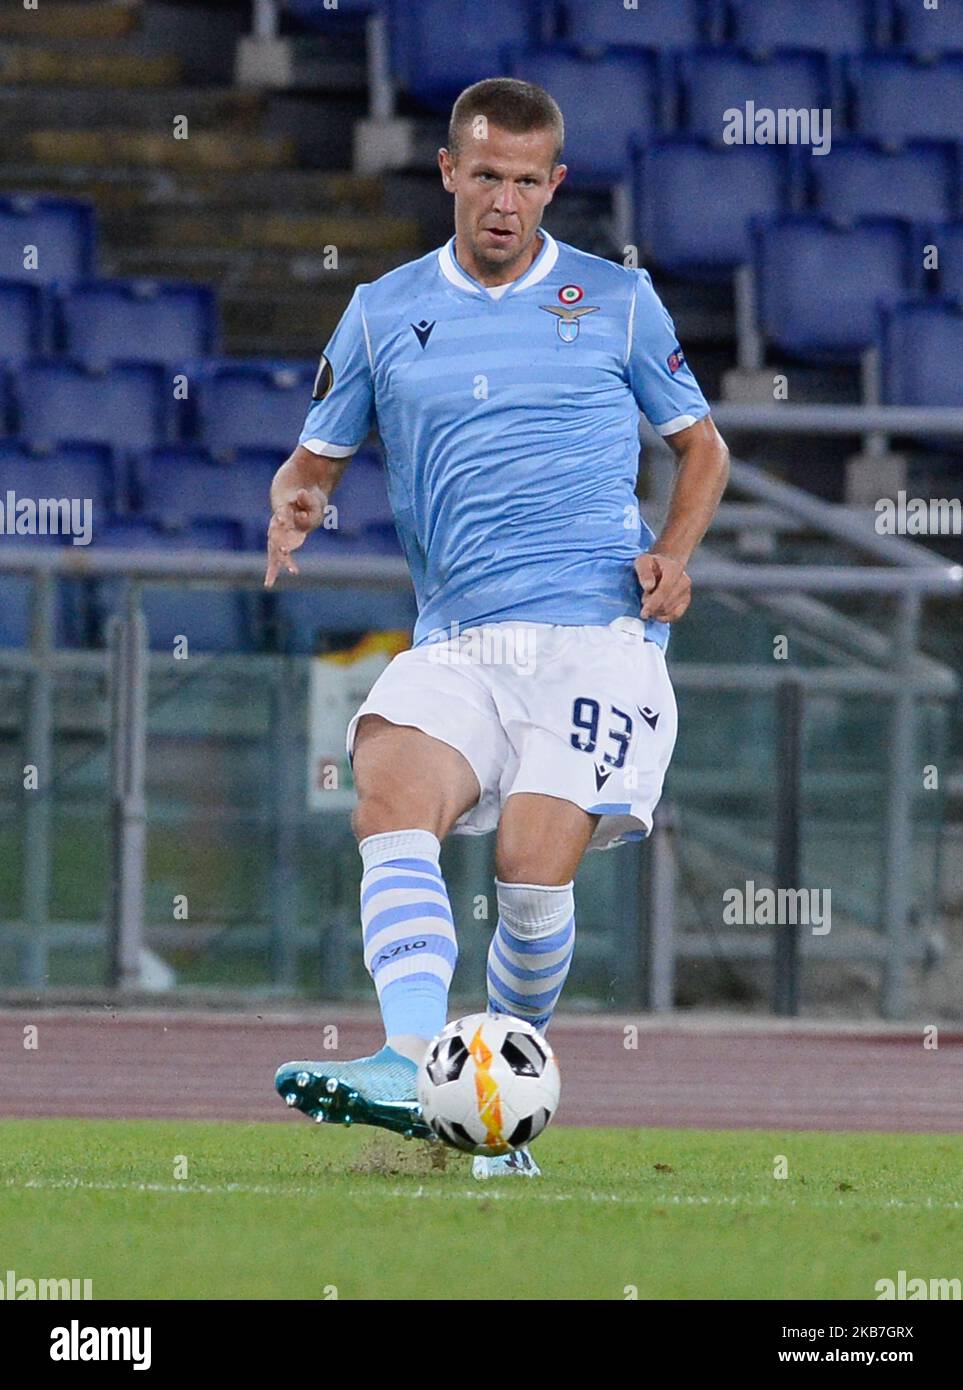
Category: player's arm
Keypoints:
(701, 477)
(339, 418)
(299, 494)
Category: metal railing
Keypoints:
(891, 670)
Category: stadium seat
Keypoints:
(441, 46)
(683, 227)
(62, 232)
(761, 27)
(252, 406)
(212, 620)
(300, 614)
(864, 179)
(818, 284)
(929, 33)
(715, 80)
(897, 99)
(125, 407)
(921, 347)
(949, 239)
(597, 133)
(21, 321)
(107, 321)
(78, 471)
(665, 24)
(182, 485)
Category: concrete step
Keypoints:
(293, 189)
(304, 190)
(24, 64)
(51, 20)
(221, 150)
(134, 109)
(251, 273)
(265, 231)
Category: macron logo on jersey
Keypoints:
(423, 331)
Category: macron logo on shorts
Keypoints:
(650, 717)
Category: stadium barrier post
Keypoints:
(285, 745)
(898, 832)
(660, 972)
(128, 722)
(785, 953)
(39, 754)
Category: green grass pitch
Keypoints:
(300, 1211)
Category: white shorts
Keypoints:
(586, 714)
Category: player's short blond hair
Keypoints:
(510, 104)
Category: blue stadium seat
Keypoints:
(21, 320)
(819, 284)
(686, 229)
(441, 46)
(107, 321)
(183, 485)
(949, 239)
(762, 27)
(320, 15)
(597, 133)
(253, 406)
(62, 230)
(75, 471)
(655, 24)
(302, 613)
(927, 32)
(897, 99)
(212, 620)
(125, 407)
(715, 80)
(921, 347)
(863, 179)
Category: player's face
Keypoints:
(502, 184)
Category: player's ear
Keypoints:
(447, 166)
(558, 174)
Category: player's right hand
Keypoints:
(289, 525)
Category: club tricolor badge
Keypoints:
(567, 317)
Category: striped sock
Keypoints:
(531, 951)
(409, 935)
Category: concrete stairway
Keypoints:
(131, 105)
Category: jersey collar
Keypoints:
(542, 265)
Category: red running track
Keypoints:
(745, 1074)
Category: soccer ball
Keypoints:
(488, 1083)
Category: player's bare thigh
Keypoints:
(407, 780)
(541, 839)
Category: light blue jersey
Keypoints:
(510, 427)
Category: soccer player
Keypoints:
(504, 373)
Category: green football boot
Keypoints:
(378, 1090)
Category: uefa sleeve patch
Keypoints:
(675, 360)
(323, 381)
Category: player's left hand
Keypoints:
(666, 588)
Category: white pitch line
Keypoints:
(519, 1193)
